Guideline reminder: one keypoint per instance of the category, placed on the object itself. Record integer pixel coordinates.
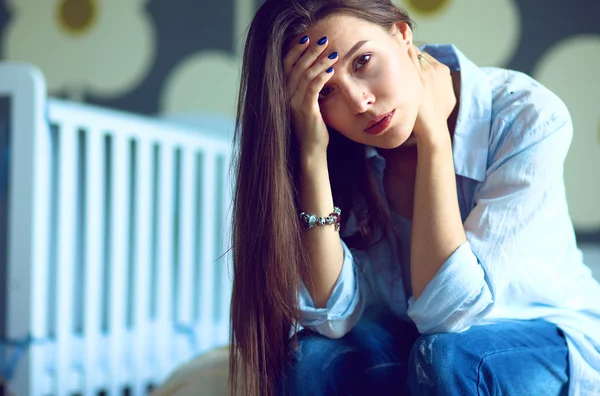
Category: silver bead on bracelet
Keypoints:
(310, 220)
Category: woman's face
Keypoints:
(374, 77)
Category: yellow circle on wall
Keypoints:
(427, 6)
(77, 16)
(83, 46)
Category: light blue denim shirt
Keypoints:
(520, 260)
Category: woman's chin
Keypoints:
(395, 140)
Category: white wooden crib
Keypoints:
(111, 272)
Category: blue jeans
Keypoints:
(388, 356)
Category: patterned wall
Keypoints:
(556, 42)
(182, 56)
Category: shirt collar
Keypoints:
(472, 134)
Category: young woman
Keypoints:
(455, 270)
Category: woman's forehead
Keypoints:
(340, 26)
(342, 32)
(342, 37)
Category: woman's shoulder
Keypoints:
(518, 98)
(523, 109)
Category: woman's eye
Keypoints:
(324, 92)
(361, 61)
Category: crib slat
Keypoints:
(207, 256)
(141, 322)
(119, 256)
(186, 251)
(163, 335)
(40, 264)
(94, 258)
(65, 260)
(28, 221)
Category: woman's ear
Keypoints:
(403, 32)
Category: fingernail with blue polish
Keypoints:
(303, 40)
(333, 55)
(329, 70)
(322, 41)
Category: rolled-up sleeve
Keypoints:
(511, 247)
(343, 308)
(456, 297)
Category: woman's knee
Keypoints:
(315, 363)
(314, 351)
(440, 361)
(489, 357)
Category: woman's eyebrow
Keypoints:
(354, 48)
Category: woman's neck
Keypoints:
(403, 159)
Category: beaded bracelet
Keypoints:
(310, 220)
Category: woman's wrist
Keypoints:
(309, 159)
(434, 142)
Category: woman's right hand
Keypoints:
(305, 78)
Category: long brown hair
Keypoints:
(269, 253)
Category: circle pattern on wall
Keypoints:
(77, 16)
(570, 69)
(427, 6)
(206, 82)
(488, 32)
(105, 47)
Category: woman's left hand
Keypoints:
(437, 98)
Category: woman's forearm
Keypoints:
(324, 245)
(437, 226)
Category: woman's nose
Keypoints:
(361, 100)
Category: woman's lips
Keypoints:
(381, 125)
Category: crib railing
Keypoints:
(116, 230)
